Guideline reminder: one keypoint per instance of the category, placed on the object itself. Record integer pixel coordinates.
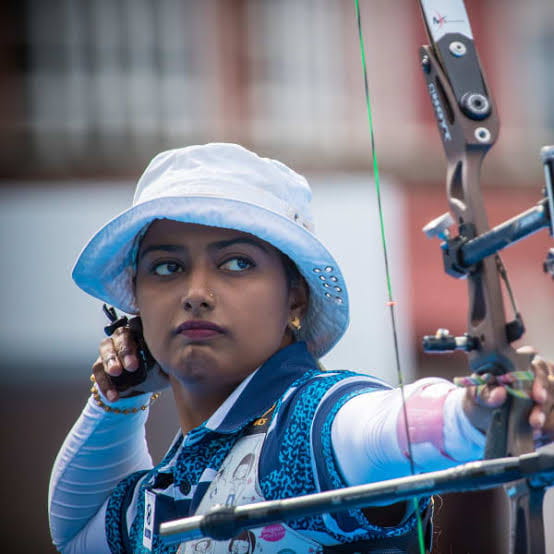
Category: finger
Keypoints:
(541, 383)
(110, 359)
(543, 394)
(479, 403)
(490, 396)
(548, 370)
(527, 350)
(537, 418)
(126, 348)
(103, 381)
(548, 427)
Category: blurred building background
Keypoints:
(90, 90)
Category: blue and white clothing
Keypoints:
(289, 429)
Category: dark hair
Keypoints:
(292, 275)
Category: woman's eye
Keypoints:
(237, 264)
(166, 268)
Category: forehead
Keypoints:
(166, 231)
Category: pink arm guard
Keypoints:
(425, 413)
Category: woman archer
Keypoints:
(235, 300)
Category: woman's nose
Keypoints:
(198, 294)
(198, 300)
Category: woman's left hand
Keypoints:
(480, 401)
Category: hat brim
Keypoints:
(105, 269)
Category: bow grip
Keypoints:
(509, 432)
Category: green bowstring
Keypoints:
(391, 302)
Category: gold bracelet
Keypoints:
(106, 408)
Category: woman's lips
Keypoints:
(198, 334)
(198, 330)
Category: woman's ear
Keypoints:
(299, 296)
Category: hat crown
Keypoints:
(227, 167)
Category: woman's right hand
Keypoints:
(125, 367)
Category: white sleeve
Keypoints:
(369, 432)
(101, 449)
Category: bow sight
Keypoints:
(463, 252)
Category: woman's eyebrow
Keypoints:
(220, 244)
(164, 247)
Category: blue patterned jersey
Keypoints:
(272, 442)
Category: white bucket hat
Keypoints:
(222, 185)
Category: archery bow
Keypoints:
(468, 124)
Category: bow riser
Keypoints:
(466, 139)
(468, 125)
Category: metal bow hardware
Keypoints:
(468, 125)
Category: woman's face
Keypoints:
(214, 302)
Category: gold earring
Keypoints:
(295, 323)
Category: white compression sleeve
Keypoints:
(368, 432)
(101, 449)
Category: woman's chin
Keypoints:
(195, 365)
